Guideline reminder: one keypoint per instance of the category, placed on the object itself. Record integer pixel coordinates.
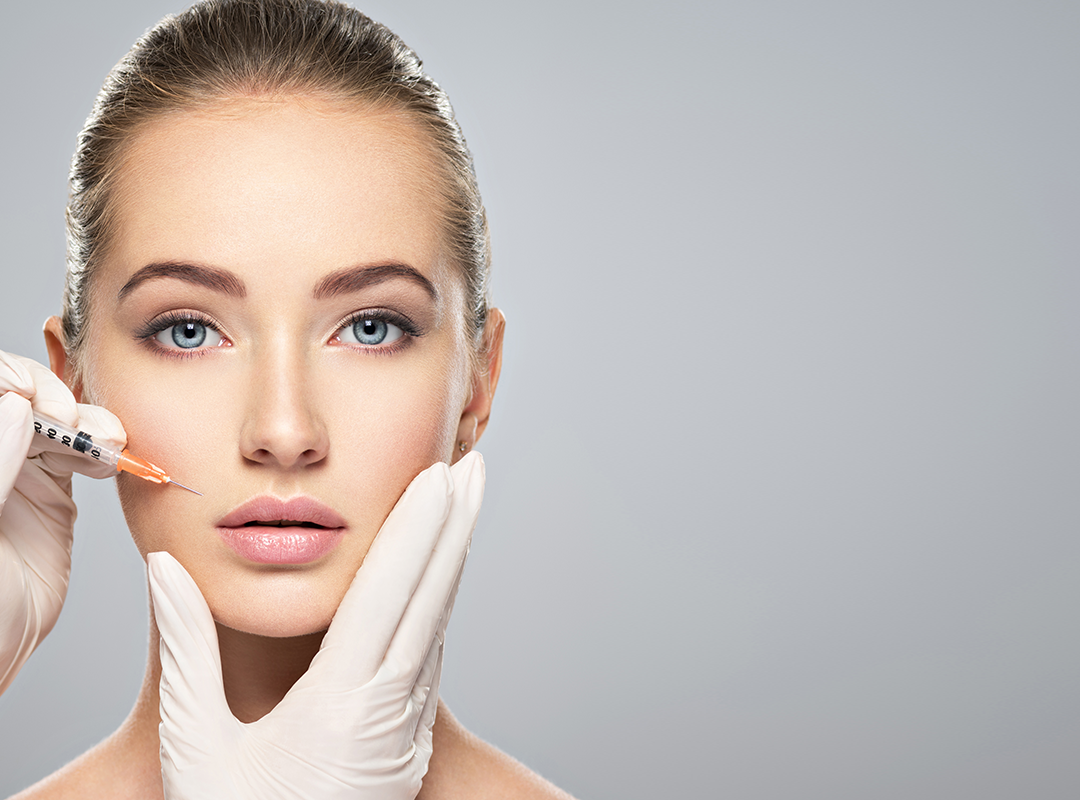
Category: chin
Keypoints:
(277, 604)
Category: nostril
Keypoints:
(281, 457)
(283, 434)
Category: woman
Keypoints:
(277, 280)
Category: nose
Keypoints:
(282, 426)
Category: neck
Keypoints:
(257, 672)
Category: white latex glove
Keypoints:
(358, 723)
(37, 514)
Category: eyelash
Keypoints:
(151, 329)
(409, 330)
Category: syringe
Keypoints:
(82, 443)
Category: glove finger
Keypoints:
(102, 426)
(14, 376)
(52, 397)
(63, 464)
(444, 620)
(356, 642)
(433, 678)
(38, 520)
(427, 691)
(426, 613)
(16, 431)
(192, 694)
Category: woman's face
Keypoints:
(277, 320)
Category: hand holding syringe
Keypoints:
(38, 456)
(82, 442)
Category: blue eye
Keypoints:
(188, 335)
(370, 331)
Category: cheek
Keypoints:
(188, 441)
(384, 416)
(146, 507)
(385, 431)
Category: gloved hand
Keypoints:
(37, 513)
(358, 723)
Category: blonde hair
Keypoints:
(219, 49)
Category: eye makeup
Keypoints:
(372, 330)
(189, 328)
(371, 327)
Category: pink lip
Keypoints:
(270, 544)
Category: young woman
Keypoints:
(277, 281)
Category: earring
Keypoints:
(463, 446)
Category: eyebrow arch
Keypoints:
(220, 280)
(355, 279)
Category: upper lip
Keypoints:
(266, 508)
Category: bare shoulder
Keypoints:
(108, 771)
(464, 766)
(77, 779)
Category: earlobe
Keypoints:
(466, 435)
(58, 360)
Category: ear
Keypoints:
(474, 417)
(58, 360)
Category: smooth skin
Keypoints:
(270, 222)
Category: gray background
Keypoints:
(784, 468)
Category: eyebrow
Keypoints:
(355, 279)
(220, 280)
(350, 279)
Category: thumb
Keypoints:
(195, 715)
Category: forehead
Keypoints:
(283, 186)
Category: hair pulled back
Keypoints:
(219, 49)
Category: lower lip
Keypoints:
(269, 545)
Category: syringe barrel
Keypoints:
(79, 441)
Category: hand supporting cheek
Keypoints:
(358, 723)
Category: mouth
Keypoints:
(268, 530)
(272, 512)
